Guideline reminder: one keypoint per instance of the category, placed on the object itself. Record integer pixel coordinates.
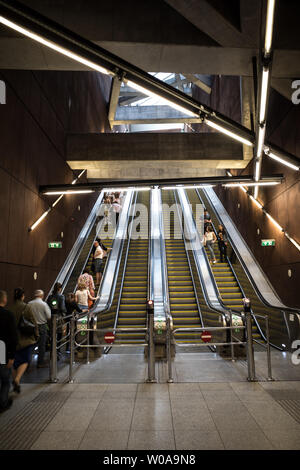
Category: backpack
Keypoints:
(25, 326)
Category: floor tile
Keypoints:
(191, 415)
(104, 440)
(246, 440)
(198, 440)
(284, 439)
(113, 415)
(58, 440)
(152, 415)
(151, 440)
(70, 418)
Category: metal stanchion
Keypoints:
(53, 358)
(250, 350)
(72, 349)
(270, 378)
(169, 357)
(88, 322)
(151, 348)
(231, 339)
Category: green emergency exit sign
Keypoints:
(55, 245)
(270, 242)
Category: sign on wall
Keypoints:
(55, 245)
(270, 242)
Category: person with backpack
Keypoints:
(28, 335)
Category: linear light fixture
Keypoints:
(252, 183)
(33, 226)
(121, 190)
(256, 202)
(53, 46)
(40, 219)
(261, 140)
(228, 172)
(147, 92)
(281, 160)
(274, 221)
(292, 241)
(269, 26)
(264, 94)
(182, 186)
(231, 134)
(80, 191)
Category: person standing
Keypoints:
(42, 315)
(82, 297)
(116, 205)
(9, 337)
(98, 261)
(207, 220)
(87, 279)
(28, 335)
(209, 240)
(222, 242)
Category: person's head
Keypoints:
(38, 294)
(87, 271)
(96, 243)
(3, 298)
(81, 286)
(221, 227)
(209, 229)
(19, 294)
(57, 288)
(205, 211)
(70, 297)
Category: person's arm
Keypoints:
(91, 297)
(12, 342)
(62, 304)
(214, 237)
(92, 282)
(29, 314)
(47, 312)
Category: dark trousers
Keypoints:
(5, 379)
(223, 251)
(42, 343)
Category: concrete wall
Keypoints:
(40, 108)
(282, 202)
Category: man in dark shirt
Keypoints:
(8, 344)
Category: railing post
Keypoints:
(231, 339)
(72, 349)
(250, 350)
(53, 358)
(169, 356)
(151, 350)
(270, 378)
(88, 322)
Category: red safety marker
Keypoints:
(206, 336)
(109, 338)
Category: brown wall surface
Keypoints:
(282, 202)
(41, 107)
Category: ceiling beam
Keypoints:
(114, 98)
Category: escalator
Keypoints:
(131, 312)
(278, 334)
(187, 305)
(226, 280)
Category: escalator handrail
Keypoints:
(75, 251)
(281, 307)
(107, 287)
(239, 284)
(189, 263)
(125, 262)
(167, 308)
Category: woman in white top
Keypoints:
(98, 261)
(117, 206)
(209, 239)
(83, 296)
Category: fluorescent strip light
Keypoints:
(229, 133)
(229, 173)
(79, 176)
(243, 188)
(261, 141)
(40, 219)
(53, 46)
(80, 191)
(281, 160)
(258, 183)
(147, 92)
(121, 190)
(274, 221)
(57, 200)
(257, 170)
(292, 241)
(264, 95)
(259, 205)
(182, 186)
(269, 26)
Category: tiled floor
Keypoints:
(183, 416)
